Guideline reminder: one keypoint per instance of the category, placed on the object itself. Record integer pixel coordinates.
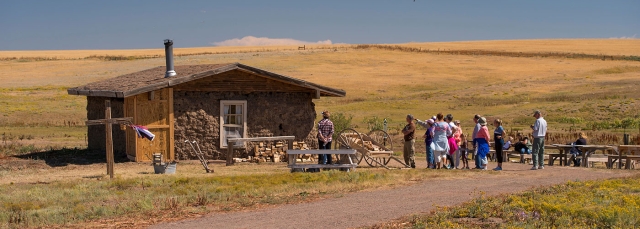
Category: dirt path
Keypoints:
(368, 208)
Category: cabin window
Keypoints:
(233, 120)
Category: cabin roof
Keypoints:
(153, 79)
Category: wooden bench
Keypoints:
(347, 164)
(564, 160)
(627, 154)
(631, 161)
(599, 158)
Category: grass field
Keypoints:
(96, 201)
(37, 114)
(383, 83)
(592, 204)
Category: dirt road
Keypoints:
(368, 208)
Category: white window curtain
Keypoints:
(232, 121)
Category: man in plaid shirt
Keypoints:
(325, 134)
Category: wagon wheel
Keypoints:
(382, 138)
(351, 139)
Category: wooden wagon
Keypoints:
(375, 148)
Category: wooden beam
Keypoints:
(108, 132)
(108, 94)
(339, 151)
(317, 94)
(135, 120)
(260, 139)
(172, 155)
(229, 153)
(72, 91)
(148, 88)
(286, 79)
(152, 94)
(112, 121)
(216, 71)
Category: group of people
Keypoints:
(447, 145)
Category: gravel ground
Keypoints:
(371, 207)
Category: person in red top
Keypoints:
(325, 136)
(482, 140)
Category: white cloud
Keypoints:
(625, 37)
(264, 41)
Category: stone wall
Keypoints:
(96, 134)
(268, 114)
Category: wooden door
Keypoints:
(155, 111)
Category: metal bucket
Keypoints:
(165, 168)
(171, 168)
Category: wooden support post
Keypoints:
(230, 152)
(108, 122)
(109, 136)
(289, 157)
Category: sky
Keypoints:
(125, 24)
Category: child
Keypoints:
(464, 151)
(458, 137)
(524, 147)
(482, 140)
(507, 144)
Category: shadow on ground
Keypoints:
(70, 156)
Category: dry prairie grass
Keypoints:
(378, 82)
(81, 54)
(626, 47)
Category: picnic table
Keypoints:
(629, 153)
(346, 161)
(562, 155)
(586, 152)
(528, 157)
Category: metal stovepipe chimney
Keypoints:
(168, 52)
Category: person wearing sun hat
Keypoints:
(539, 131)
(428, 139)
(482, 141)
(476, 128)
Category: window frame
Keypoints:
(223, 103)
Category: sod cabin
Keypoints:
(205, 103)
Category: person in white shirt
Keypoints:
(539, 132)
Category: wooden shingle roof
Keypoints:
(153, 79)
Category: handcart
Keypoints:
(375, 148)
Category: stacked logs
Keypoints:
(371, 147)
(277, 151)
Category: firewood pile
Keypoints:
(277, 152)
(371, 147)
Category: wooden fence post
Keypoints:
(109, 136)
(230, 152)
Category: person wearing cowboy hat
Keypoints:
(325, 137)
